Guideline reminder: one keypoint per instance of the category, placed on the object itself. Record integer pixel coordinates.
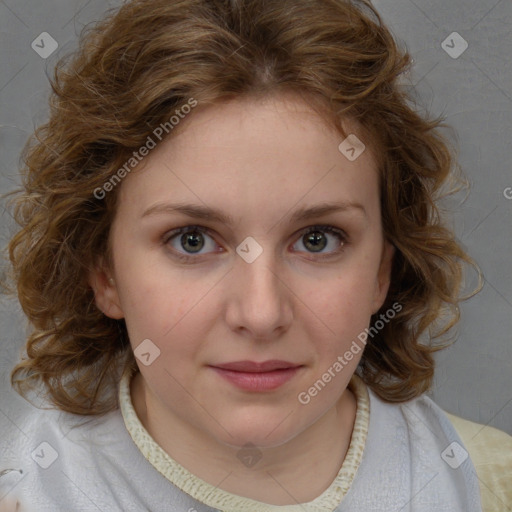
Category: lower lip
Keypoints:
(263, 381)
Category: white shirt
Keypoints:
(402, 457)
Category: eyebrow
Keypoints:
(212, 214)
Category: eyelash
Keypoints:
(311, 229)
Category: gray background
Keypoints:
(473, 92)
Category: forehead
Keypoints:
(275, 124)
(250, 154)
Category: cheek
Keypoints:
(157, 311)
(153, 295)
(176, 318)
(345, 301)
(338, 313)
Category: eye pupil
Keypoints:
(195, 241)
(315, 241)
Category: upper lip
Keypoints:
(254, 367)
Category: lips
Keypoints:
(253, 367)
(257, 377)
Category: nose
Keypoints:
(260, 304)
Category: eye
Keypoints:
(316, 238)
(187, 242)
(191, 240)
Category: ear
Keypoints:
(105, 292)
(383, 276)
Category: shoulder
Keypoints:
(413, 450)
(491, 452)
(421, 417)
(55, 456)
(67, 462)
(483, 452)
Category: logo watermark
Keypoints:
(454, 455)
(158, 134)
(249, 455)
(146, 352)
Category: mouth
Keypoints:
(253, 367)
(257, 377)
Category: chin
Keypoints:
(263, 431)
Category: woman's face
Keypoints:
(283, 265)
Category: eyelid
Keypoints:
(325, 227)
(184, 229)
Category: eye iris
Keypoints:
(194, 239)
(315, 241)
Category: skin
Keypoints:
(258, 161)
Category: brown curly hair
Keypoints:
(131, 72)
